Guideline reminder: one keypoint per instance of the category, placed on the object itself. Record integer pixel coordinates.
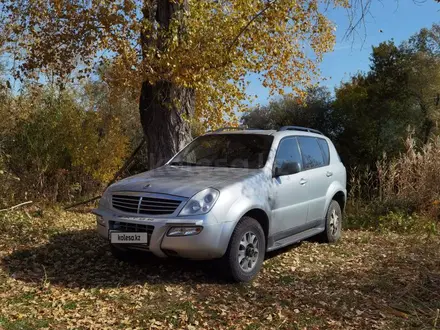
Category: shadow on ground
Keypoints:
(355, 281)
(82, 259)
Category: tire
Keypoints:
(247, 240)
(333, 223)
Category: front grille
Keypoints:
(126, 203)
(145, 205)
(131, 227)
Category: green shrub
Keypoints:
(373, 216)
(399, 222)
(60, 150)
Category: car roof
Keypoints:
(284, 131)
(246, 131)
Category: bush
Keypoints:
(370, 216)
(401, 195)
(58, 149)
(411, 182)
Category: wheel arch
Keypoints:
(336, 192)
(255, 211)
(261, 216)
(341, 199)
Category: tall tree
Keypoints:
(423, 75)
(191, 57)
(401, 90)
(313, 111)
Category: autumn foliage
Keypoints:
(53, 147)
(209, 46)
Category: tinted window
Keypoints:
(288, 153)
(311, 152)
(226, 150)
(324, 147)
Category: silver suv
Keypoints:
(232, 194)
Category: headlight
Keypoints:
(100, 220)
(201, 203)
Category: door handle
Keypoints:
(302, 182)
(329, 174)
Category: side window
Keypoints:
(288, 153)
(325, 150)
(311, 152)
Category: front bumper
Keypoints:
(210, 243)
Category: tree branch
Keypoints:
(15, 206)
(357, 12)
(126, 165)
(244, 28)
(240, 33)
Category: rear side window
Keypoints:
(288, 153)
(311, 152)
(325, 150)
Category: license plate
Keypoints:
(129, 238)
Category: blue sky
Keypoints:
(398, 20)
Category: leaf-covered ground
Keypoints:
(55, 272)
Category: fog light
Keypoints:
(100, 220)
(184, 231)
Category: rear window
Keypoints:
(325, 150)
(311, 152)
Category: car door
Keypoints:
(290, 192)
(316, 166)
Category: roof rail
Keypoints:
(230, 128)
(299, 128)
(239, 128)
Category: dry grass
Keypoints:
(56, 273)
(401, 194)
(413, 179)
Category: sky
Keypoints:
(397, 19)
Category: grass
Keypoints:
(23, 324)
(55, 272)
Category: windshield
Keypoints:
(226, 150)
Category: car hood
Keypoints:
(183, 181)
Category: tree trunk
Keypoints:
(427, 125)
(165, 108)
(165, 111)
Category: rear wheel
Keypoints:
(245, 254)
(333, 223)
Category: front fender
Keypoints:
(235, 213)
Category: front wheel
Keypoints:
(245, 254)
(333, 223)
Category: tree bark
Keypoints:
(165, 111)
(428, 124)
(427, 127)
(165, 108)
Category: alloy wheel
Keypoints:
(248, 251)
(334, 222)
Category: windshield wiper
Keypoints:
(183, 164)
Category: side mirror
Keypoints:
(287, 168)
